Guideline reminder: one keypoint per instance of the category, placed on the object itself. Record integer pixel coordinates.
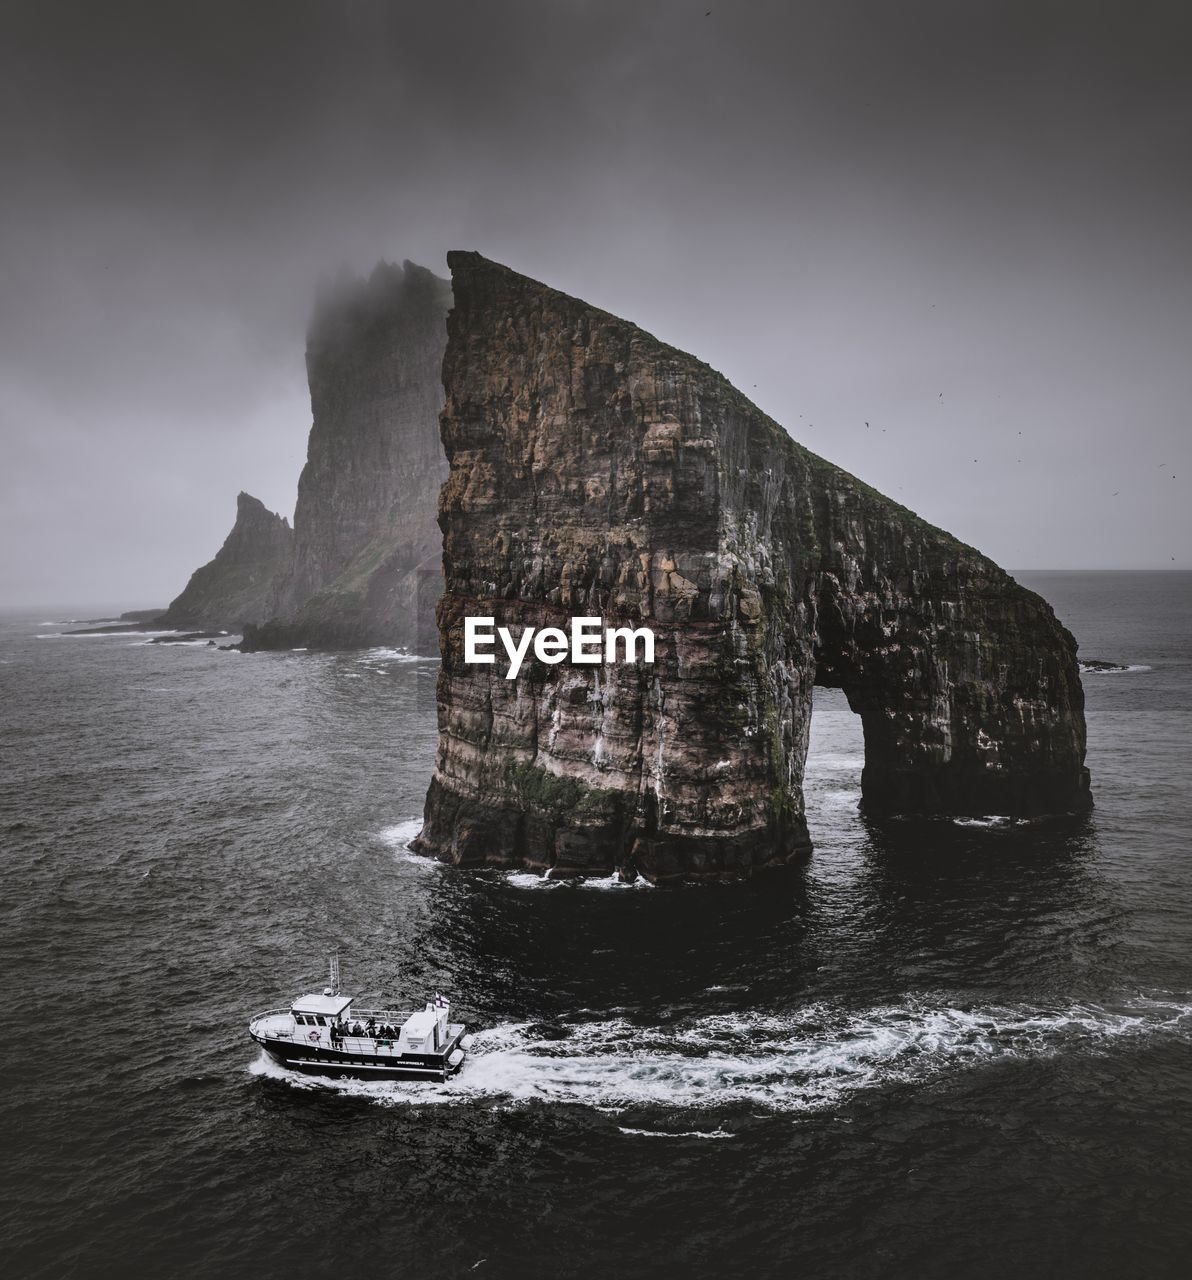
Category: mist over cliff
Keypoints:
(362, 565)
(366, 561)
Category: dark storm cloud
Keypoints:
(855, 207)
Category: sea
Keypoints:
(941, 1049)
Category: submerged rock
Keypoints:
(595, 471)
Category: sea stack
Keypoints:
(595, 471)
(237, 585)
(365, 567)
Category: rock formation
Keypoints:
(238, 585)
(365, 567)
(596, 471)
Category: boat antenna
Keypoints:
(335, 973)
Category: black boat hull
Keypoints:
(335, 1063)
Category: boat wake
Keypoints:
(808, 1061)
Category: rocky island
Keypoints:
(238, 585)
(365, 568)
(595, 470)
(362, 563)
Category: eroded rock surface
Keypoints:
(237, 586)
(597, 471)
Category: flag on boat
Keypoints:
(441, 1002)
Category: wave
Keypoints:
(1111, 669)
(398, 838)
(807, 1061)
(532, 880)
(100, 635)
(832, 762)
(688, 1133)
(384, 654)
(400, 834)
(850, 800)
(182, 644)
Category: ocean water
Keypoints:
(941, 1049)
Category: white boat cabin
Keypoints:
(314, 1016)
(328, 1021)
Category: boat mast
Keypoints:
(335, 973)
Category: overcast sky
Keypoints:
(965, 223)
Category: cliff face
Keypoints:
(596, 471)
(365, 567)
(237, 586)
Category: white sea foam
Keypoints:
(532, 880)
(100, 635)
(529, 880)
(182, 644)
(1113, 671)
(383, 654)
(687, 1133)
(806, 1061)
(398, 838)
(400, 834)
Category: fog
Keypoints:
(963, 224)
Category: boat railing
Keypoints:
(381, 1015)
(391, 1016)
(298, 1033)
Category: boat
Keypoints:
(326, 1034)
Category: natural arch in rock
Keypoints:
(597, 471)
